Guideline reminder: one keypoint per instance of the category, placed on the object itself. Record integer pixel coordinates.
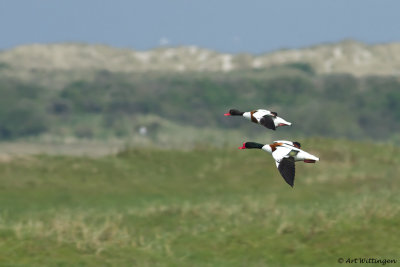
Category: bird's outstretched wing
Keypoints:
(287, 169)
(268, 121)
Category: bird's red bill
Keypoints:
(227, 114)
(243, 146)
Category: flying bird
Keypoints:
(266, 118)
(285, 153)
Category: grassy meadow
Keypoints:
(200, 207)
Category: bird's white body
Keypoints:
(286, 149)
(258, 114)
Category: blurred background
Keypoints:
(114, 148)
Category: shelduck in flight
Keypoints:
(263, 117)
(285, 153)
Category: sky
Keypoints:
(232, 26)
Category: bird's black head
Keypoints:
(235, 112)
(274, 113)
(248, 145)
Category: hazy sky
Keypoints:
(223, 25)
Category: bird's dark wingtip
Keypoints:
(287, 169)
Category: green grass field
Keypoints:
(203, 207)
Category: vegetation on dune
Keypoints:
(217, 207)
(112, 105)
(21, 110)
